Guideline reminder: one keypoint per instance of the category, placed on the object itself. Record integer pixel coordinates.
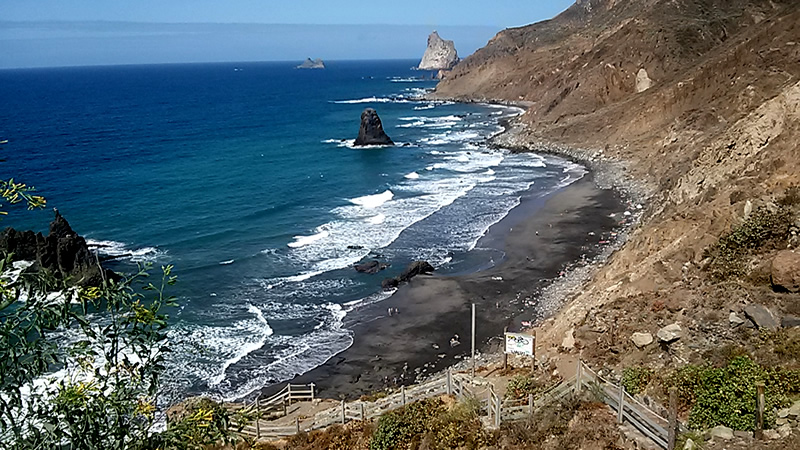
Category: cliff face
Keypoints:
(440, 54)
(699, 100)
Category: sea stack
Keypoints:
(371, 130)
(440, 54)
(311, 64)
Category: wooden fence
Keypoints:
(495, 410)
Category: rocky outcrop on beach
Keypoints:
(439, 55)
(371, 130)
(62, 253)
(371, 267)
(311, 64)
(413, 269)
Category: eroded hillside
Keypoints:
(698, 100)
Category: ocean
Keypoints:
(245, 178)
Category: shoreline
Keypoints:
(542, 238)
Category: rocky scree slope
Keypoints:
(699, 101)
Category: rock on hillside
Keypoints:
(440, 54)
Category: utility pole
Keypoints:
(473, 341)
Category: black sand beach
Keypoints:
(540, 238)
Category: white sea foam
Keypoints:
(122, 251)
(373, 201)
(424, 107)
(261, 328)
(412, 176)
(300, 241)
(377, 220)
(372, 100)
(225, 263)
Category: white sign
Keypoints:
(519, 344)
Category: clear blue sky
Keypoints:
(498, 13)
(41, 33)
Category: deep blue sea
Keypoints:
(244, 177)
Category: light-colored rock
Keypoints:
(786, 271)
(689, 445)
(794, 410)
(771, 435)
(748, 209)
(734, 319)
(440, 54)
(783, 413)
(761, 317)
(643, 81)
(721, 432)
(784, 430)
(569, 340)
(670, 333)
(642, 339)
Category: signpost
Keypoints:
(521, 344)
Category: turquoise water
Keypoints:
(244, 177)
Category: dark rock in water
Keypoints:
(371, 267)
(390, 283)
(62, 252)
(416, 268)
(371, 130)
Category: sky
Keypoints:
(40, 33)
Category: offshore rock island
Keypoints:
(311, 64)
(370, 132)
(440, 54)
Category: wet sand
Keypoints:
(540, 238)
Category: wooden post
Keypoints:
(673, 419)
(258, 418)
(497, 410)
(530, 404)
(449, 382)
(403, 394)
(363, 416)
(289, 393)
(505, 355)
(285, 411)
(621, 404)
(578, 374)
(344, 417)
(297, 425)
(473, 341)
(312, 391)
(760, 400)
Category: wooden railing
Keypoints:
(494, 409)
(345, 412)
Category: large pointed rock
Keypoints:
(440, 54)
(371, 130)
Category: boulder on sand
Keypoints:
(371, 130)
(413, 269)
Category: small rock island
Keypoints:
(311, 64)
(440, 54)
(371, 130)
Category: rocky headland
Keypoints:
(62, 253)
(440, 54)
(691, 107)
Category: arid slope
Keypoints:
(713, 137)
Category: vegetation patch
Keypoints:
(430, 424)
(636, 379)
(727, 395)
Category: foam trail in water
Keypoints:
(373, 201)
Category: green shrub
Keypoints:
(521, 386)
(762, 228)
(727, 395)
(636, 379)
